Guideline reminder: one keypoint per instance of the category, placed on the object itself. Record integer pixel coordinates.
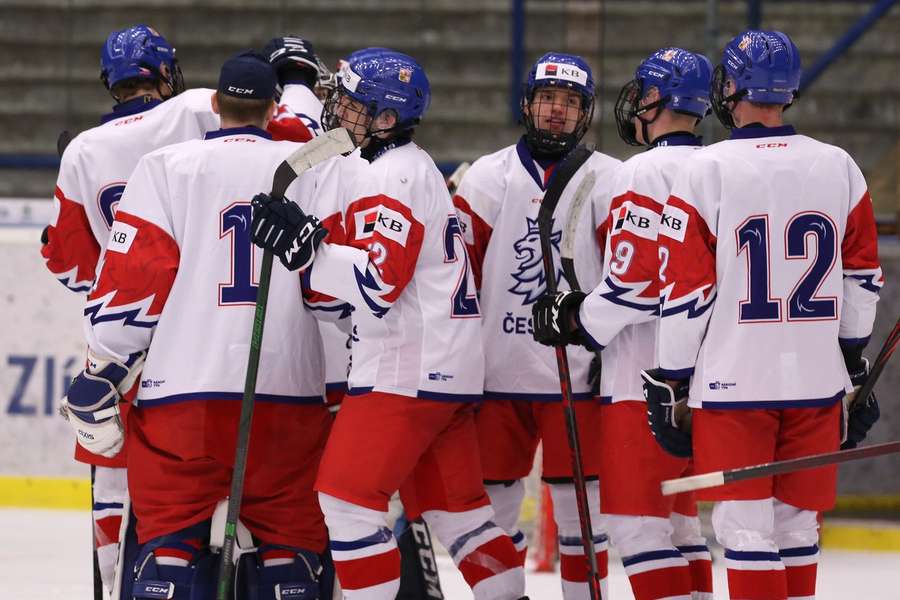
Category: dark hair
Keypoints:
(249, 111)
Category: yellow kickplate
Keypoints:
(872, 537)
(45, 492)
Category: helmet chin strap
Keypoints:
(645, 123)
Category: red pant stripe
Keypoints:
(661, 583)
(801, 581)
(757, 585)
(701, 575)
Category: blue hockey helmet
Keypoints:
(682, 79)
(381, 79)
(560, 70)
(765, 68)
(139, 52)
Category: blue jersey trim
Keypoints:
(578, 396)
(677, 138)
(597, 346)
(423, 394)
(336, 385)
(131, 107)
(853, 342)
(528, 163)
(248, 130)
(606, 399)
(676, 373)
(107, 505)
(776, 404)
(272, 398)
(749, 133)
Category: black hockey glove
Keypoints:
(668, 414)
(859, 414)
(553, 317)
(291, 234)
(594, 371)
(292, 58)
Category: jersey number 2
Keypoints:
(464, 305)
(803, 304)
(234, 222)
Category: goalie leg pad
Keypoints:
(279, 573)
(178, 566)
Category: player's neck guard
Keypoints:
(377, 147)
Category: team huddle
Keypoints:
(407, 328)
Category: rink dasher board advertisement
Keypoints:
(41, 348)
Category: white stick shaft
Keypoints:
(695, 482)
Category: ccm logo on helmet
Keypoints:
(240, 90)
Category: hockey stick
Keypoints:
(567, 246)
(332, 143)
(717, 478)
(62, 141)
(878, 366)
(456, 177)
(564, 173)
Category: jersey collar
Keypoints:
(130, 107)
(755, 130)
(377, 147)
(529, 164)
(248, 130)
(677, 138)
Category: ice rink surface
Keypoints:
(45, 555)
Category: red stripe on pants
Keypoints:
(701, 575)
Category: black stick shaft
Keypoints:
(226, 571)
(811, 462)
(565, 386)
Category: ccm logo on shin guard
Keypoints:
(155, 590)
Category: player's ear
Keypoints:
(214, 102)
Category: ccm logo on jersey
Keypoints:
(636, 219)
(772, 145)
(121, 237)
(388, 223)
(673, 222)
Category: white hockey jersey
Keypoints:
(620, 314)
(401, 262)
(179, 277)
(95, 167)
(320, 197)
(498, 202)
(773, 258)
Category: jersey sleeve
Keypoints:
(377, 259)
(687, 240)
(478, 200)
(863, 277)
(70, 249)
(286, 125)
(137, 270)
(629, 291)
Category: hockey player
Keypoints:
(176, 292)
(407, 421)
(498, 201)
(298, 69)
(141, 72)
(770, 289)
(657, 536)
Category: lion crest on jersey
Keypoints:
(529, 276)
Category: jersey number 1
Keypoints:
(803, 304)
(234, 222)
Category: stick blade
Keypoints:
(694, 482)
(328, 145)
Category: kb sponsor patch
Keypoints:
(387, 222)
(121, 237)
